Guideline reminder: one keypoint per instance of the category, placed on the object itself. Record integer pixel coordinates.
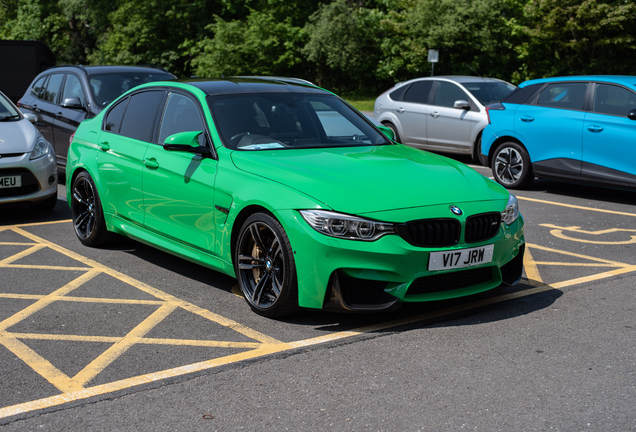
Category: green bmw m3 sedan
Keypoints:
(289, 189)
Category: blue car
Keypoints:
(577, 129)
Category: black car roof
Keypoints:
(96, 70)
(235, 85)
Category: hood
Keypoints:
(358, 180)
(17, 136)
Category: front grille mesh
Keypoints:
(431, 232)
(29, 183)
(482, 227)
(450, 281)
(363, 291)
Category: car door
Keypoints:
(67, 119)
(449, 128)
(552, 128)
(609, 136)
(126, 132)
(178, 185)
(46, 105)
(412, 113)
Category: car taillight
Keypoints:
(495, 107)
(70, 140)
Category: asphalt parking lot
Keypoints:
(131, 338)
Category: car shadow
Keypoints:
(596, 193)
(16, 214)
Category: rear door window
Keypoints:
(418, 92)
(53, 88)
(613, 100)
(141, 114)
(567, 95)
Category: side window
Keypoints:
(53, 88)
(181, 115)
(418, 92)
(112, 123)
(447, 93)
(38, 87)
(139, 118)
(396, 95)
(563, 95)
(73, 88)
(614, 100)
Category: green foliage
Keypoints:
(260, 45)
(350, 46)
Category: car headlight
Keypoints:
(511, 213)
(42, 148)
(346, 227)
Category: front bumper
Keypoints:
(363, 276)
(39, 178)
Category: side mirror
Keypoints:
(73, 102)
(632, 114)
(185, 142)
(461, 104)
(388, 132)
(31, 117)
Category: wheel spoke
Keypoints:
(247, 262)
(259, 288)
(81, 219)
(79, 198)
(256, 236)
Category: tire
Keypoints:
(265, 267)
(511, 166)
(396, 135)
(88, 217)
(46, 205)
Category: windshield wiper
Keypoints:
(10, 117)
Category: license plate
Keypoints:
(460, 258)
(10, 182)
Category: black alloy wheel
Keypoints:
(265, 267)
(511, 166)
(86, 208)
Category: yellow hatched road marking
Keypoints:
(576, 206)
(72, 387)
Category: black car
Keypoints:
(63, 96)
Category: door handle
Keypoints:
(595, 128)
(58, 114)
(435, 114)
(400, 110)
(151, 163)
(526, 118)
(103, 145)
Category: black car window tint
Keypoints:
(521, 95)
(107, 87)
(141, 113)
(418, 92)
(112, 123)
(567, 95)
(53, 88)
(614, 100)
(396, 95)
(488, 92)
(38, 87)
(447, 93)
(73, 88)
(181, 115)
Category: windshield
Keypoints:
(108, 87)
(266, 121)
(7, 110)
(489, 92)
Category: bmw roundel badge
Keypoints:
(456, 210)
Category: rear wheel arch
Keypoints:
(499, 141)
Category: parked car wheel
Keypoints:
(46, 205)
(511, 166)
(88, 217)
(265, 267)
(396, 135)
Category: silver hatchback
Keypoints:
(445, 114)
